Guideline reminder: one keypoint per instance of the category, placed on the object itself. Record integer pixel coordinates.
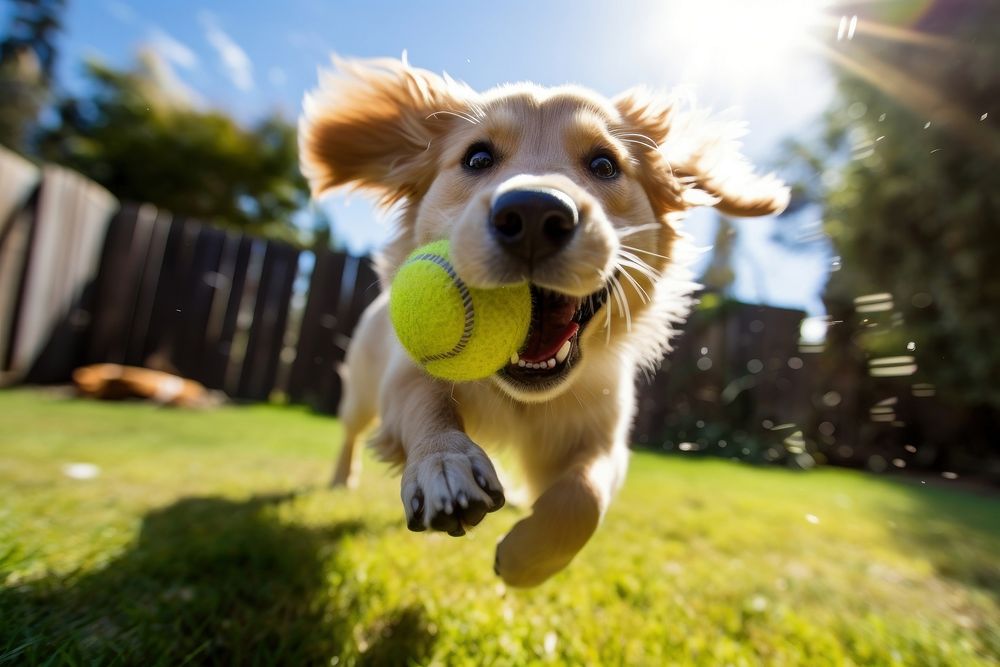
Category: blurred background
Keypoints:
(152, 216)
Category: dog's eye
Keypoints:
(479, 156)
(603, 167)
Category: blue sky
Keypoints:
(252, 58)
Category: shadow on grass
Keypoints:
(208, 581)
(956, 529)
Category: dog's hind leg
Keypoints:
(357, 412)
(348, 469)
(360, 376)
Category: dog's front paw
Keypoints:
(450, 485)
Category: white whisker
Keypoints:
(645, 252)
(607, 323)
(642, 269)
(649, 142)
(637, 263)
(631, 231)
(619, 294)
(639, 143)
(457, 114)
(638, 288)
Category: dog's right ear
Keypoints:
(376, 125)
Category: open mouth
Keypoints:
(553, 344)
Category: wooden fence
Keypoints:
(84, 280)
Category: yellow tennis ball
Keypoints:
(455, 332)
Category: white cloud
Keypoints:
(159, 69)
(235, 60)
(171, 49)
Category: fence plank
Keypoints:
(148, 281)
(71, 221)
(366, 288)
(314, 352)
(18, 180)
(195, 305)
(119, 281)
(18, 197)
(222, 326)
(274, 291)
(14, 250)
(165, 316)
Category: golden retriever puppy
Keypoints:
(575, 193)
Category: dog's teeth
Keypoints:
(522, 363)
(514, 359)
(563, 352)
(551, 363)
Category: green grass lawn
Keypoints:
(209, 538)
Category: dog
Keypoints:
(115, 382)
(579, 195)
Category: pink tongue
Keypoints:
(545, 340)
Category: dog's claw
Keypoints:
(451, 489)
(495, 494)
(447, 523)
(416, 520)
(474, 513)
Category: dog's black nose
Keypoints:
(533, 223)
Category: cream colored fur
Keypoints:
(401, 133)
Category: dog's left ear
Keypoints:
(376, 125)
(688, 159)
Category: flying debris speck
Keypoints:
(81, 470)
(831, 399)
(551, 641)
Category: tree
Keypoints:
(27, 61)
(139, 135)
(907, 171)
(719, 274)
(916, 212)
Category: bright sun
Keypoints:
(742, 41)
